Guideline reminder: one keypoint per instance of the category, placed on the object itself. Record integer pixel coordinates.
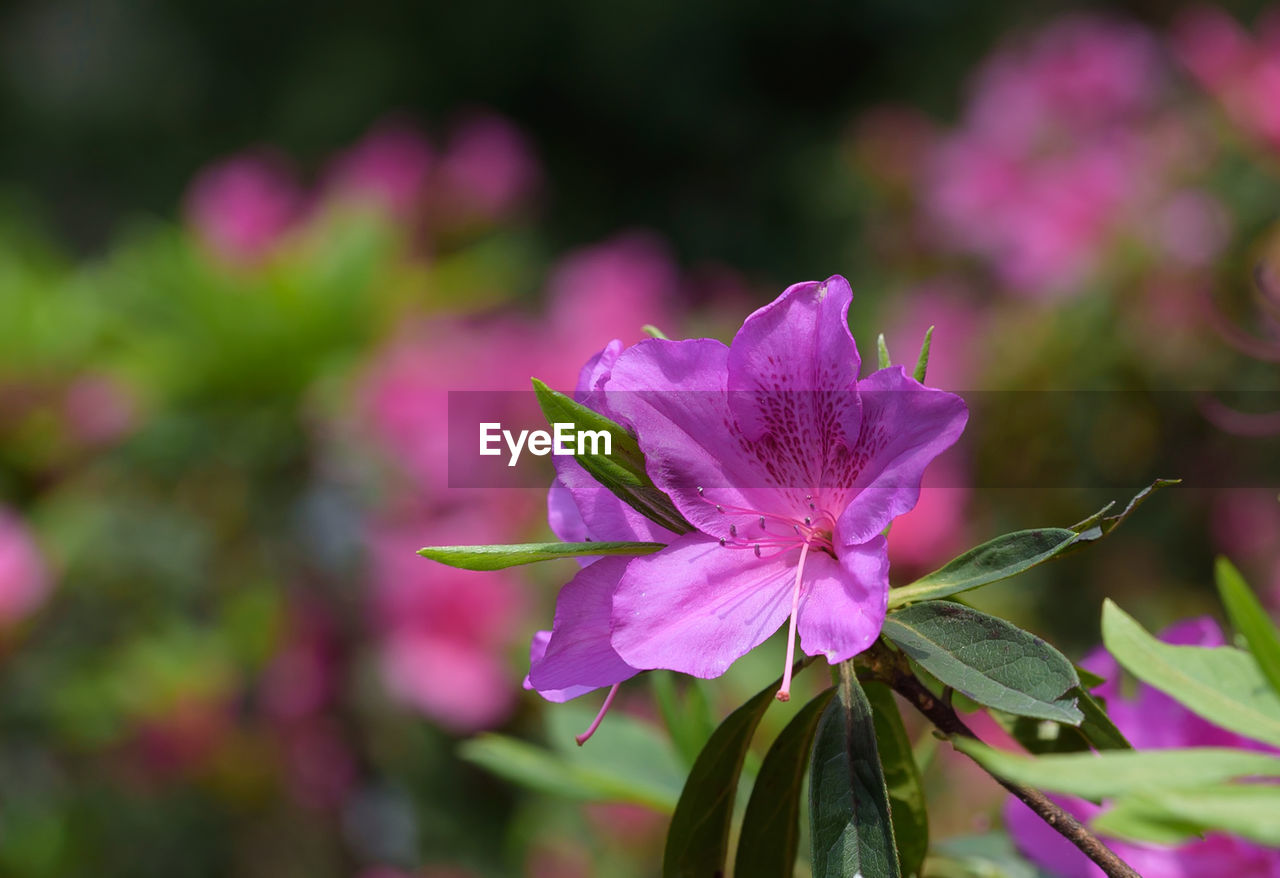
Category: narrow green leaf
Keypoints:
(622, 471)
(770, 833)
(1250, 619)
(1100, 524)
(1222, 684)
(852, 831)
(687, 718)
(500, 557)
(1097, 727)
(698, 839)
(652, 331)
(922, 363)
(902, 779)
(987, 659)
(1088, 679)
(1250, 811)
(523, 763)
(1121, 772)
(882, 352)
(994, 560)
(1042, 736)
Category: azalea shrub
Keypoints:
(749, 487)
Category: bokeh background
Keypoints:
(247, 249)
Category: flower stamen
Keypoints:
(595, 723)
(784, 693)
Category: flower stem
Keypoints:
(891, 669)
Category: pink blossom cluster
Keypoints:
(1240, 70)
(244, 206)
(445, 634)
(1062, 148)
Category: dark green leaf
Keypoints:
(499, 557)
(997, 559)
(622, 471)
(1097, 726)
(852, 831)
(1042, 736)
(1088, 679)
(987, 659)
(902, 779)
(922, 363)
(1222, 684)
(698, 839)
(770, 833)
(1250, 619)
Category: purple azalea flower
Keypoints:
(1150, 720)
(789, 467)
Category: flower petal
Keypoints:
(905, 425)
(537, 649)
(843, 603)
(578, 655)
(795, 345)
(696, 606)
(671, 394)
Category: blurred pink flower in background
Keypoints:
(242, 206)
(488, 168)
(1053, 154)
(24, 578)
(1241, 71)
(1150, 720)
(605, 291)
(388, 169)
(445, 632)
(98, 410)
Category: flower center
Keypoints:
(776, 535)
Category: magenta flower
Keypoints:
(387, 170)
(788, 466)
(241, 207)
(1150, 720)
(489, 168)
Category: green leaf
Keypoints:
(500, 557)
(1250, 619)
(1109, 775)
(770, 833)
(1250, 811)
(528, 765)
(1098, 525)
(997, 559)
(1222, 684)
(987, 659)
(1088, 679)
(1097, 727)
(698, 839)
(902, 779)
(622, 471)
(688, 718)
(652, 331)
(852, 831)
(882, 352)
(922, 363)
(1042, 736)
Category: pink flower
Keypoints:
(24, 578)
(389, 169)
(241, 207)
(98, 410)
(609, 290)
(445, 631)
(1053, 155)
(1150, 720)
(488, 168)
